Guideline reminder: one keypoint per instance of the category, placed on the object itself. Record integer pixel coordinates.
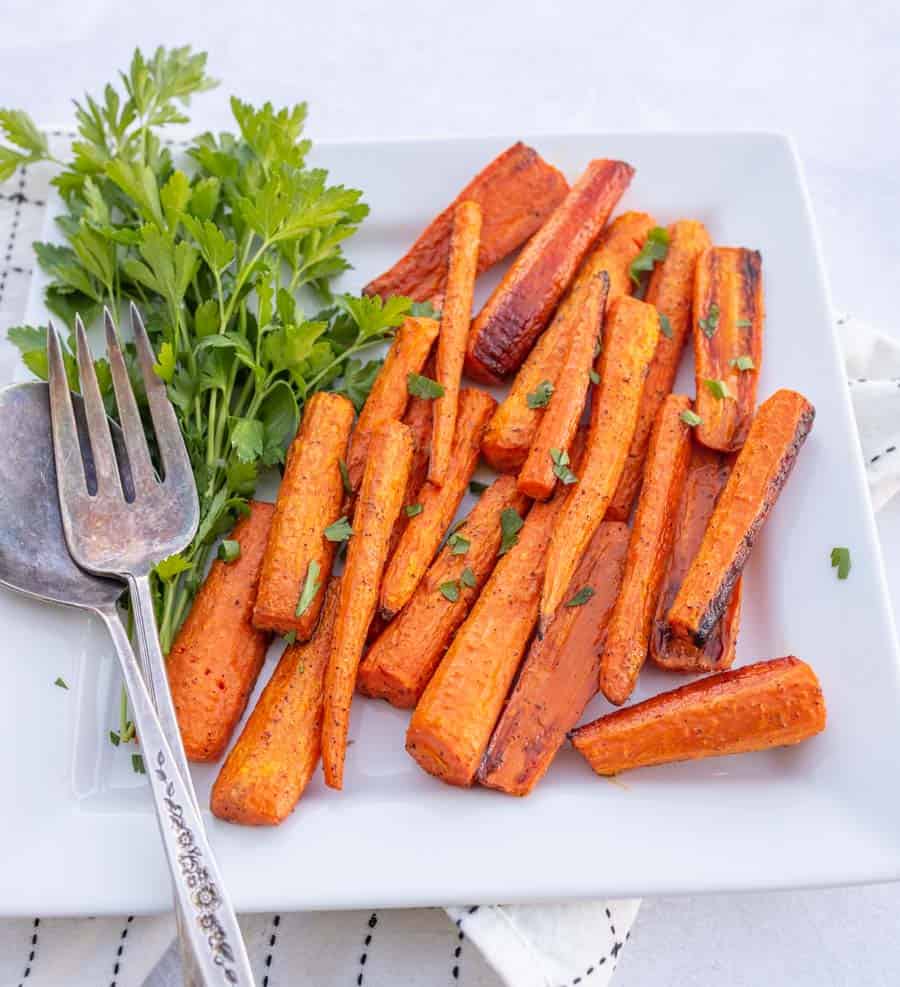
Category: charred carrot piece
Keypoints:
(379, 503)
(728, 330)
(454, 718)
(560, 420)
(671, 291)
(706, 478)
(629, 339)
(423, 533)
(769, 704)
(298, 555)
(215, 660)
(418, 421)
(516, 313)
(388, 398)
(760, 472)
(517, 191)
(400, 663)
(455, 318)
(648, 551)
(559, 675)
(273, 761)
(511, 431)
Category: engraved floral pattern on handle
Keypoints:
(204, 894)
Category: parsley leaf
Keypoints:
(655, 248)
(467, 578)
(665, 327)
(450, 591)
(510, 526)
(711, 322)
(412, 510)
(718, 389)
(345, 477)
(540, 396)
(560, 459)
(581, 597)
(840, 560)
(594, 376)
(458, 544)
(61, 682)
(137, 764)
(114, 738)
(423, 387)
(743, 363)
(311, 586)
(339, 530)
(424, 310)
(690, 418)
(229, 550)
(743, 323)
(290, 638)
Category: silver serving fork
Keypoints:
(111, 536)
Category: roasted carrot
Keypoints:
(423, 533)
(216, 658)
(379, 502)
(399, 664)
(516, 313)
(418, 420)
(728, 330)
(769, 704)
(388, 398)
(760, 472)
(670, 291)
(648, 551)
(511, 431)
(629, 339)
(453, 721)
(273, 761)
(517, 191)
(559, 422)
(706, 477)
(559, 675)
(451, 348)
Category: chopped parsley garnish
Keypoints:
(229, 550)
(467, 578)
(114, 738)
(595, 377)
(61, 682)
(540, 396)
(137, 764)
(345, 477)
(581, 597)
(423, 387)
(690, 418)
(340, 530)
(458, 544)
(290, 638)
(743, 323)
(413, 509)
(510, 526)
(560, 459)
(450, 590)
(665, 327)
(711, 322)
(840, 560)
(718, 389)
(743, 363)
(311, 586)
(655, 248)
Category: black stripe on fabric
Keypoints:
(32, 951)
(367, 942)
(120, 949)
(273, 939)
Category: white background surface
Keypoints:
(826, 72)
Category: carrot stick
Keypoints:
(418, 420)
(512, 429)
(455, 319)
(388, 398)
(453, 721)
(218, 653)
(648, 551)
(760, 472)
(423, 533)
(728, 329)
(630, 336)
(379, 503)
(559, 422)
(706, 478)
(670, 291)
(400, 663)
(559, 675)
(516, 313)
(769, 704)
(298, 555)
(273, 761)
(517, 191)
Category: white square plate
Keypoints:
(78, 833)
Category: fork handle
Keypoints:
(219, 955)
